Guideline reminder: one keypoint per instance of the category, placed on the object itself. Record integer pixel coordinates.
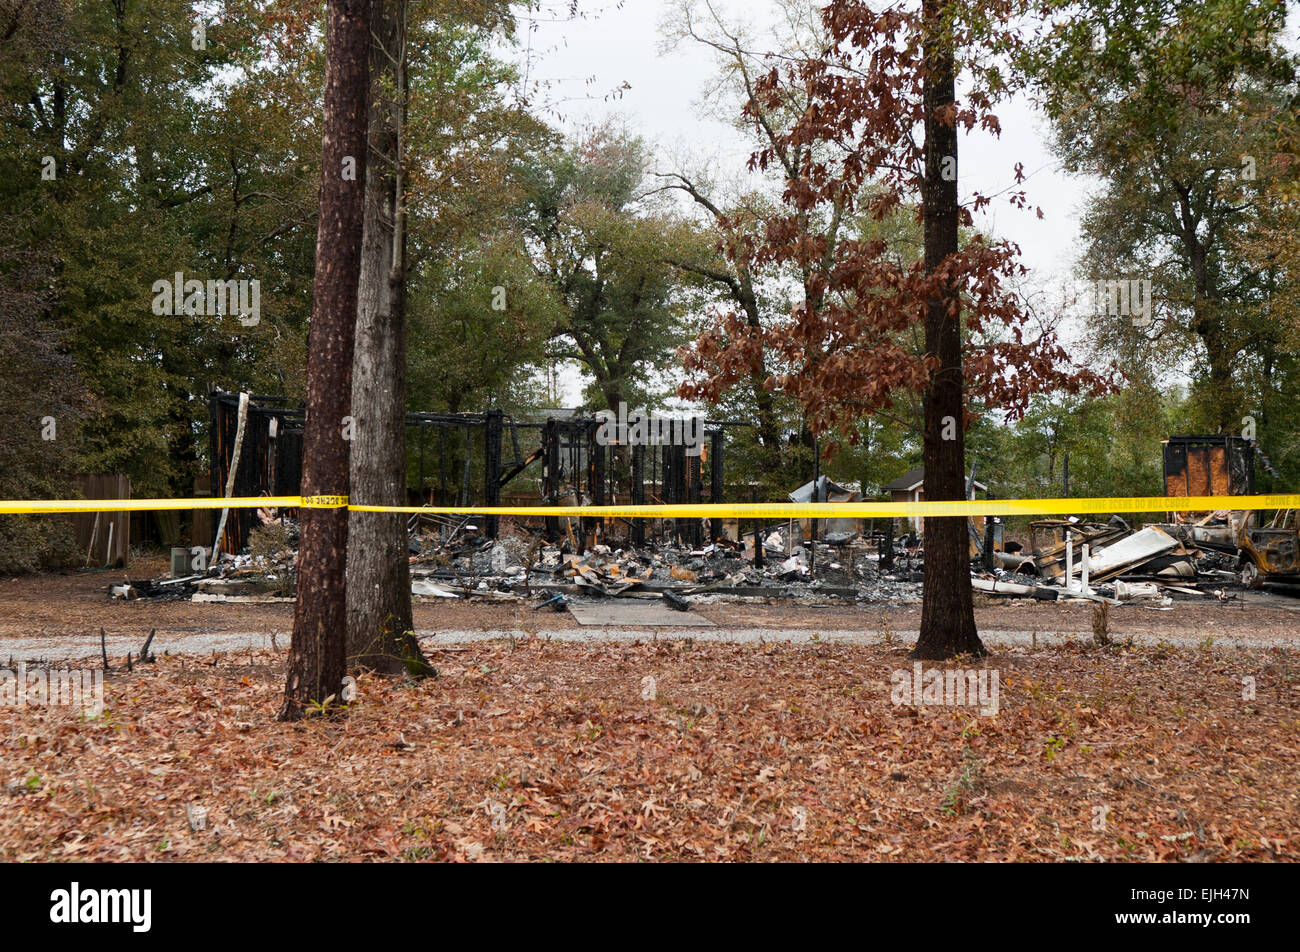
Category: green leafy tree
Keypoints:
(604, 248)
(1173, 107)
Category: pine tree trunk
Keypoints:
(947, 609)
(380, 624)
(318, 654)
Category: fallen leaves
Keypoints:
(743, 752)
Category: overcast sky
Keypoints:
(592, 57)
(589, 59)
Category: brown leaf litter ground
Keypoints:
(544, 751)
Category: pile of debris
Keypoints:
(451, 557)
(846, 566)
(268, 572)
(1108, 562)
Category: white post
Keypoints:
(1083, 571)
(1069, 559)
(230, 478)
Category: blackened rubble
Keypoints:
(1058, 560)
(453, 558)
(265, 571)
(539, 558)
(846, 567)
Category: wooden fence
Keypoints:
(105, 537)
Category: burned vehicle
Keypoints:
(1269, 553)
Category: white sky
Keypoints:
(590, 58)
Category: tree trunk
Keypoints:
(1224, 405)
(1208, 325)
(380, 625)
(318, 654)
(613, 395)
(947, 609)
(769, 432)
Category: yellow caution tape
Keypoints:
(874, 510)
(324, 502)
(760, 510)
(35, 506)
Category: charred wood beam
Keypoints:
(492, 433)
(638, 492)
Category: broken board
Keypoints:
(635, 613)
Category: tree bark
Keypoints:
(1209, 327)
(318, 654)
(769, 432)
(380, 625)
(1207, 321)
(613, 397)
(947, 608)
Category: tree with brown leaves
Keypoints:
(883, 75)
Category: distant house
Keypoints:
(910, 488)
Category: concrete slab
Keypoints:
(643, 612)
